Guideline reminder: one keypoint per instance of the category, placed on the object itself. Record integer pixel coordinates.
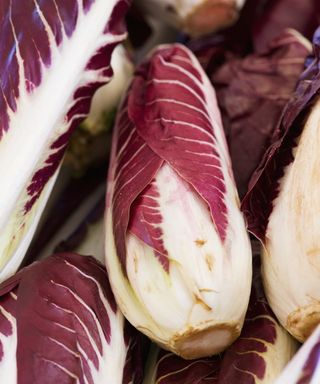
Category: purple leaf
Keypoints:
(63, 324)
(304, 368)
(281, 14)
(54, 55)
(69, 200)
(281, 208)
(263, 348)
(264, 184)
(174, 232)
(156, 137)
(250, 113)
(165, 367)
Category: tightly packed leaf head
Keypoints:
(176, 240)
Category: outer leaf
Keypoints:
(88, 238)
(257, 204)
(8, 337)
(167, 368)
(106, 99)
(260, 22)
(174, 231)
(91, 142)
(137, 351)
(62, 205)
(59, 323)
(250, 113)
(257, 356)
(304, 368)
(263, 348)
(281, 208)
(54, 54)
(280, 14)
(185, 145)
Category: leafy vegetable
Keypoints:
(176, 241)
(54, 55)
(304, 367)
(282, 208)
(138, 349)
(165, 367)
(195, 17)
(67, 198)
(59, 323)
(252, 92)
(260, 23)
(107, 97)
(263, 348)
(87, 238)
(303, 16)
(90, 143)
(257, 356)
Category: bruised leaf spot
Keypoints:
(200, 242)
(200, 301)
(209, 261)
(135, 261)
(208, 290)
(313, 252)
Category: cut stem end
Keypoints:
(194, 344)
(303, 321)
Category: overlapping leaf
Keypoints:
(150, 135)
(264, 185)
(54, 54)
(304, 368)
(250, 112)
(59, 323)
